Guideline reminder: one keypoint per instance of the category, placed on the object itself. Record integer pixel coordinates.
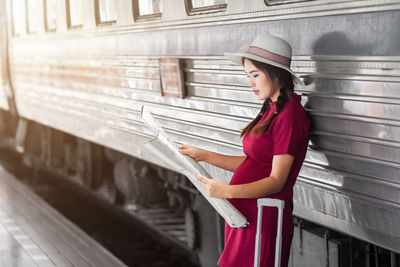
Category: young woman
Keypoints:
(275, 145)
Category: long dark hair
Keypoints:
(287, 88)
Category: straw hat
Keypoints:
(267, 49)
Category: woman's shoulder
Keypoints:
(292, 119)
(294, 109)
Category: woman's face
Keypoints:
(260, 82)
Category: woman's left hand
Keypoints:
(214, 187)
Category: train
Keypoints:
(75, 74)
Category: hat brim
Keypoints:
(238, 59)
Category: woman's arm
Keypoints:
(229, 163)
(281, 165)
(226, 162)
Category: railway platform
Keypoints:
(32, 233)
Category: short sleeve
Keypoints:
(288, 134)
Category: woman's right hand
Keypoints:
(195, 153)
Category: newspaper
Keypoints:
(167, 151)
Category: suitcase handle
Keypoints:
(269, 202)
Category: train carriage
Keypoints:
(85, 68)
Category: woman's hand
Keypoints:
(195, 153)
(214, 187)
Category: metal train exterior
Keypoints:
(76, 74)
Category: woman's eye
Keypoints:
(254, 76)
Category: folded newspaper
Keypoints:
(167, 151)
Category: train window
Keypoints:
(278, 2)
(34, 17)
(74, 13)
(106, 11)
(147, 9)
(51, 14)
(205, 6)
(18, 16)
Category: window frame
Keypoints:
(98, 15)
(22, 16)
(46, 23)
(69, 22)
(284, 2)
(33, 23)
(138, 17)
(190, 10)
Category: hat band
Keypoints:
(270, 56)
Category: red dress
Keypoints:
(287, 134)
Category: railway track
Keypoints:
(127, 238)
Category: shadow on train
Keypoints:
(349, 145)
(338, 43)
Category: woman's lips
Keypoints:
(256, 91)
